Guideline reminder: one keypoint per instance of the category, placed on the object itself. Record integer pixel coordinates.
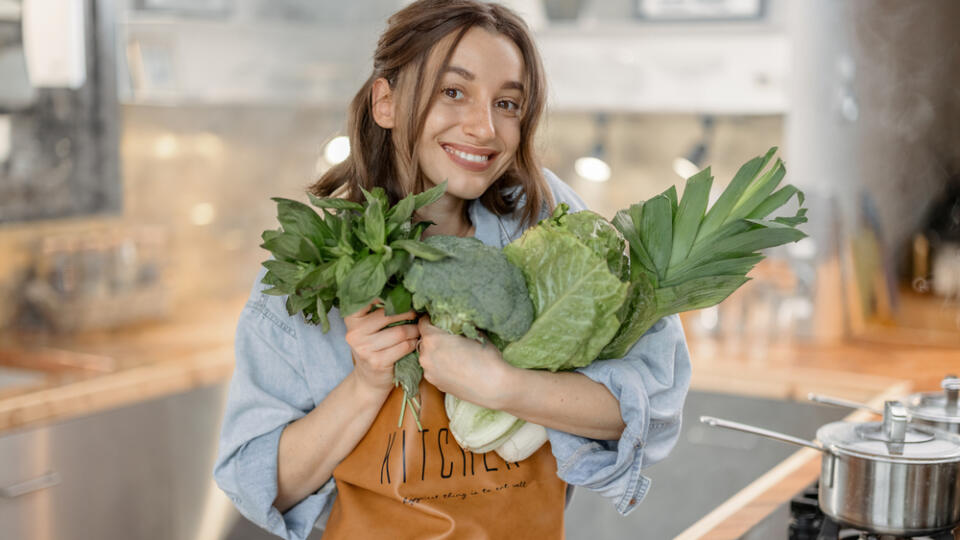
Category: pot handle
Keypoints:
(837, 402)
(951, 388)
(718, 422)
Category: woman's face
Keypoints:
(472, 129)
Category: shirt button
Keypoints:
(633, 502)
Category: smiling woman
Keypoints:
(310, 438)
(456, 93)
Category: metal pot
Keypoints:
(886, 477)
(936, 409)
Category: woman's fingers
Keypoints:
(389, 356)
(389, 337)
(364, 311)
(378, 319)
(366, 343)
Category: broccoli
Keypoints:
(474, 288)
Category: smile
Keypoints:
(469, 157)
(471, 161)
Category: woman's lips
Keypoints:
(472, 160)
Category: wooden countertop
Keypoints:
(195, 348)
(94, 371)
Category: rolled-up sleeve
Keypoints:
(651, 384)
(267, 392)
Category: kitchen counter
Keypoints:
(865, 372)
(194, 348)
(89, 372)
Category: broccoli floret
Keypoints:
(475, 288)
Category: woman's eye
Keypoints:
(509, 106)
(453, 93)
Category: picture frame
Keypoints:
(700, 11)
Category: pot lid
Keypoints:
(893, 439)
(937, 406)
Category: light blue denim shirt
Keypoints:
(285, 367)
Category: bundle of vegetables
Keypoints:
(352, 255)
(361, 252)
(573, 289)
(592, 302)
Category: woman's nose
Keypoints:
(479, 122)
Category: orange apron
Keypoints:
(406, 483)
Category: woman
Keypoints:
(310, 438)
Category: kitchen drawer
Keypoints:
(142, 471)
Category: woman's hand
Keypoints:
(375, 348)
(463, 367)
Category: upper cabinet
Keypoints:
(59, 115)
(700, 56)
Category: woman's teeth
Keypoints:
(466, 156)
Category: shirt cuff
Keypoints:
(256, 477)
(610, 468)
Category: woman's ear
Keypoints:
(383, 106)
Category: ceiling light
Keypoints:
(202, 214)
(593, 169)
(684, 167)
(166, 146)
(337, 149)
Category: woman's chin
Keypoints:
(466, 188)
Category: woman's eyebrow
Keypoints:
(512, 85)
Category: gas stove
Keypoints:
(802, 519)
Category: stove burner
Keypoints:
(807, 522)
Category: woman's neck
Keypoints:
(449, 217)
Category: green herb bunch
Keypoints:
(347, 257)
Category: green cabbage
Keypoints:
(566, 261)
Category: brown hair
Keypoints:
(388, 158)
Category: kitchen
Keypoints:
(140, 148)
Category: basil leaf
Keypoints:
(277, 284)
(287, 271)
(318, 278)
(269, 234)
(377, 197)
(362, 284)
(300, 219)
(429, 196)
(275, 291)
(343, 266)
(322, 310)
(398, 300)
(292, 246)
(398, 263)
(402, 211)
(418, 229)
(420, 249)
(346, 235)
(295, 303)
(335, 203)
(374, 227)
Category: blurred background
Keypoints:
(141, 140)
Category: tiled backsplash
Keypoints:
(205, 176)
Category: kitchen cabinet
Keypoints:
(140, 471)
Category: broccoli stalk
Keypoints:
(473, 291)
